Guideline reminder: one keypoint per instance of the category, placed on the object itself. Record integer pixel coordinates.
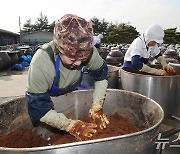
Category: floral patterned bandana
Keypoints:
(73, 36)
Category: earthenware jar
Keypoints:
(6, 60)
(115, 57)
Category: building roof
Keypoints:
(8, 32)
(37, 32)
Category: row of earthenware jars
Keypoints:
(8, 58)
(172, 53)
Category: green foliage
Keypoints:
(171, 36)
(113, 33)
(51, 27)
(99, 27)
(122, 33)
(178, 37)
(27, 26)
(41, 24)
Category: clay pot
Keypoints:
(162, 49)
(171, 60)
(116, 53)
(175, 65)
(171, 53)
(14, 57)
(104, 53)
(1, 64)
(6, 60)
(115, 58)
(28, 52)
(20, 53)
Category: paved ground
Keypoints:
(13, 85)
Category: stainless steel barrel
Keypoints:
(137, 109)
(162, 89)
(113, 80)
(176, 108)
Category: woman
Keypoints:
(145, 46)
(57, 68)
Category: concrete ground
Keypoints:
(13, 85)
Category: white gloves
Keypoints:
(155, 71)
(96, 112)
(76, 128)
(165, 66)
(57, 120)
(100, 88)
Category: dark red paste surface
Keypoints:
(24, 138)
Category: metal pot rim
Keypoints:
(89, 141)
(154, 76)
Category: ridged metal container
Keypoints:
(137, 109)
(162, 89)
(113, 80)
(177, 104)
(176, 107)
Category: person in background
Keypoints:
(57, 68)
(143, 47)
(97, 41)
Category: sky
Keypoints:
(138, 13)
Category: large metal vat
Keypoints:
(162, 89)
(176, 108)
(137, 109)
(88, 82)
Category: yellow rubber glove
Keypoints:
(166, 67)
(154, 71)
(76, 128)
(96, 112)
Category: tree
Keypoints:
(171, 36)
(178, 37)
(27, 27)
(122, 33)
(96, 25)
(51, 27)
(41, 23)
(99, 27)
(113, 33)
